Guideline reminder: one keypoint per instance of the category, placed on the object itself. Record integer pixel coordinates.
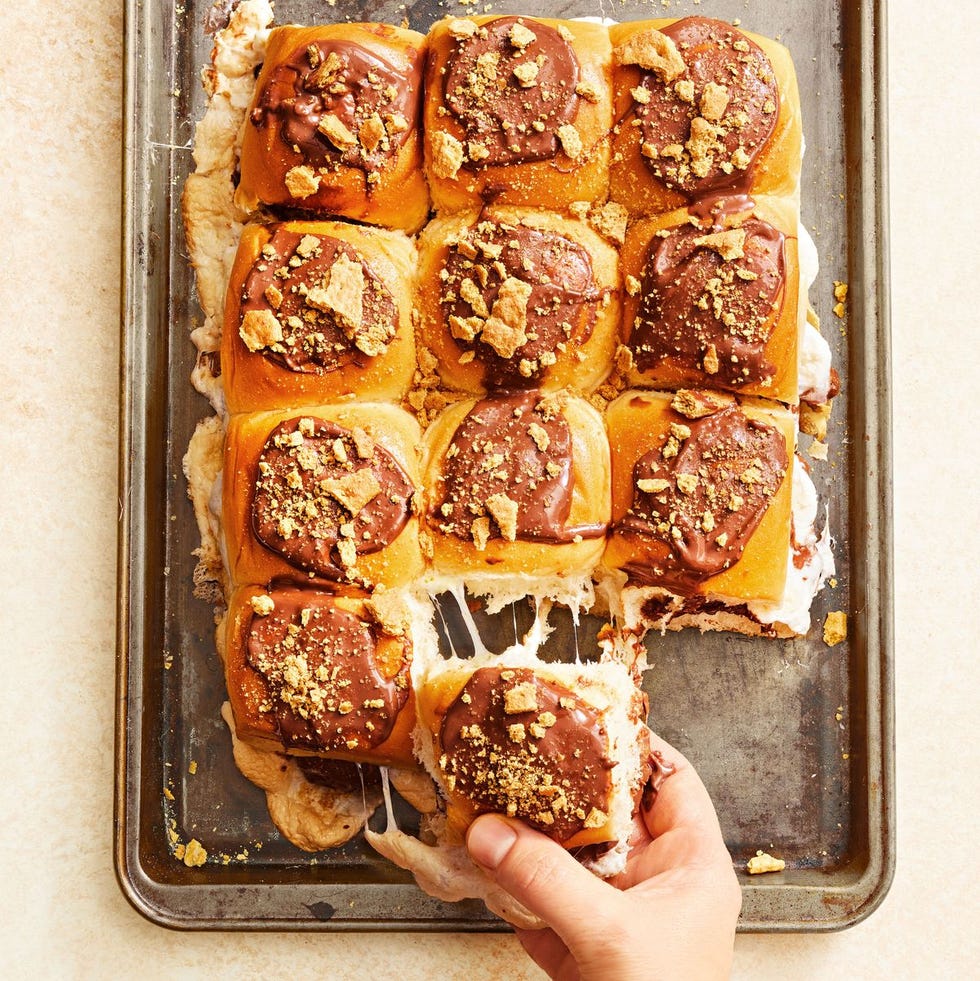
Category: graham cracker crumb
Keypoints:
(354, 490)
(521, 698)
(610, 221)
(480, 530)
(521, 37)
(461, 29)
(764, 862)
(653, 51)
(504, 512)
(447, 155)
(343, 293)
(695, 404)
(262, 605)
(835, 628)
(372, 132)
(336, 132)
(504, 329)
(540, 436)
(301, 182)
(259, 329)
(714, 102)
(729, 244)
(195, 854)
(571, 141)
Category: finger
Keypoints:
(539, 873)
(549, 952)
(682, 802)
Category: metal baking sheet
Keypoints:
(794, 739)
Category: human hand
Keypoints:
(670, 914)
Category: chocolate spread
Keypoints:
(326, 689)
(339, 104)
(511, 97)
(702, 492)
(683, 148)
(290, 281)
(702, 311)
(521, 745)
(341, 776)
(325, 495)
(508, 473)
(560, 299)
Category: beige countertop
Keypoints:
(61, 912)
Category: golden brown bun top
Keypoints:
(702, 492)
(517, 743)
(706, 104)
(335, 679)
(341, 94)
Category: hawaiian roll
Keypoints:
(701, 493)
(701, 108)
(313, 673)
(318, 311)
(334, 126)
(324, 495)
(563, 747)
(518, 111)
(712, 298)
(517, 488)
(517, 298)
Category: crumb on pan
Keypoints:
(764, 862)
(835, 628)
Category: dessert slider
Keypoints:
(315, 803)
(334, 125)
(713, 297)
(317, 312)
(563, 747)
(313, 673)
(517, 493)
(701, 506)
(325, 495)
(512, 297)
(518, 111)
(701, 108)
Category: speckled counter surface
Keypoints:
(61, 912)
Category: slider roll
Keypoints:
(518, 485)
(518, 112)
(701, 108)
(316, 674)
(561, 747)
(334, 127)
(712, 298)
(323, 496)
(317, 312)
(701, 493)
(515, 298)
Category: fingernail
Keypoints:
(489, 840)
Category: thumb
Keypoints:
(539, 873)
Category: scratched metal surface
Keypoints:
(793, 739)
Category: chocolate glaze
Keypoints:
(561, 308)
(327, 691)
(303, 90)
(493, 452)
(693, 300)
(655, 610)
(733, 457)
(315, 341)
(340, 775)
(707, 47)
(552, 776)
(497, 112)
(294, 515)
